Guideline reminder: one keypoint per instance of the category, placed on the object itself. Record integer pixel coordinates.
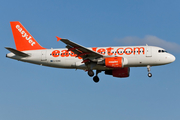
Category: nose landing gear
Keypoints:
(148, 68)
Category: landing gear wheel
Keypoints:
(148, 68)
(96, 79)
(149, 75)
(90, 73)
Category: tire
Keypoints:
(96, 79)
(149, 75)
(90, 73)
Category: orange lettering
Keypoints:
(64, 53)
(139, 48)
(101, 51)
(109, 51)
(126, 51)
(94, 49)
(117, 51)
(55, 53)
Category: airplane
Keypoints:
(115, 61)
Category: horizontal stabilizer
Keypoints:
(16, 52)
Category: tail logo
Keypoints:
(25, 35)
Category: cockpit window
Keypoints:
(162, 51)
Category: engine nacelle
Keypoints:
(121, 72)
(114, 62)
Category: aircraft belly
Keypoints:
(62, 62)
(139, 61)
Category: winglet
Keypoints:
(58, 38)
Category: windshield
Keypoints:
(162, 51)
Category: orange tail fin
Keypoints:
(23, 39)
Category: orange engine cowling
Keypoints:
(114, 62)
(121, 72)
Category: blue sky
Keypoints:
(29, 91)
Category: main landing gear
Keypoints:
(148, 68)
(91, 74)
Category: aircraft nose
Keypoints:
(172, 58)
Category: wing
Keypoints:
(81, 51)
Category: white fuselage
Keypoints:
(115, 61)
(134, 56)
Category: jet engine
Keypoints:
(121, 72)
(113, 62)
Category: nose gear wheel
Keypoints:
(148, 68)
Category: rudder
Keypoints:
(23, 39)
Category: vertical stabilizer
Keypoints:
(23, 39)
